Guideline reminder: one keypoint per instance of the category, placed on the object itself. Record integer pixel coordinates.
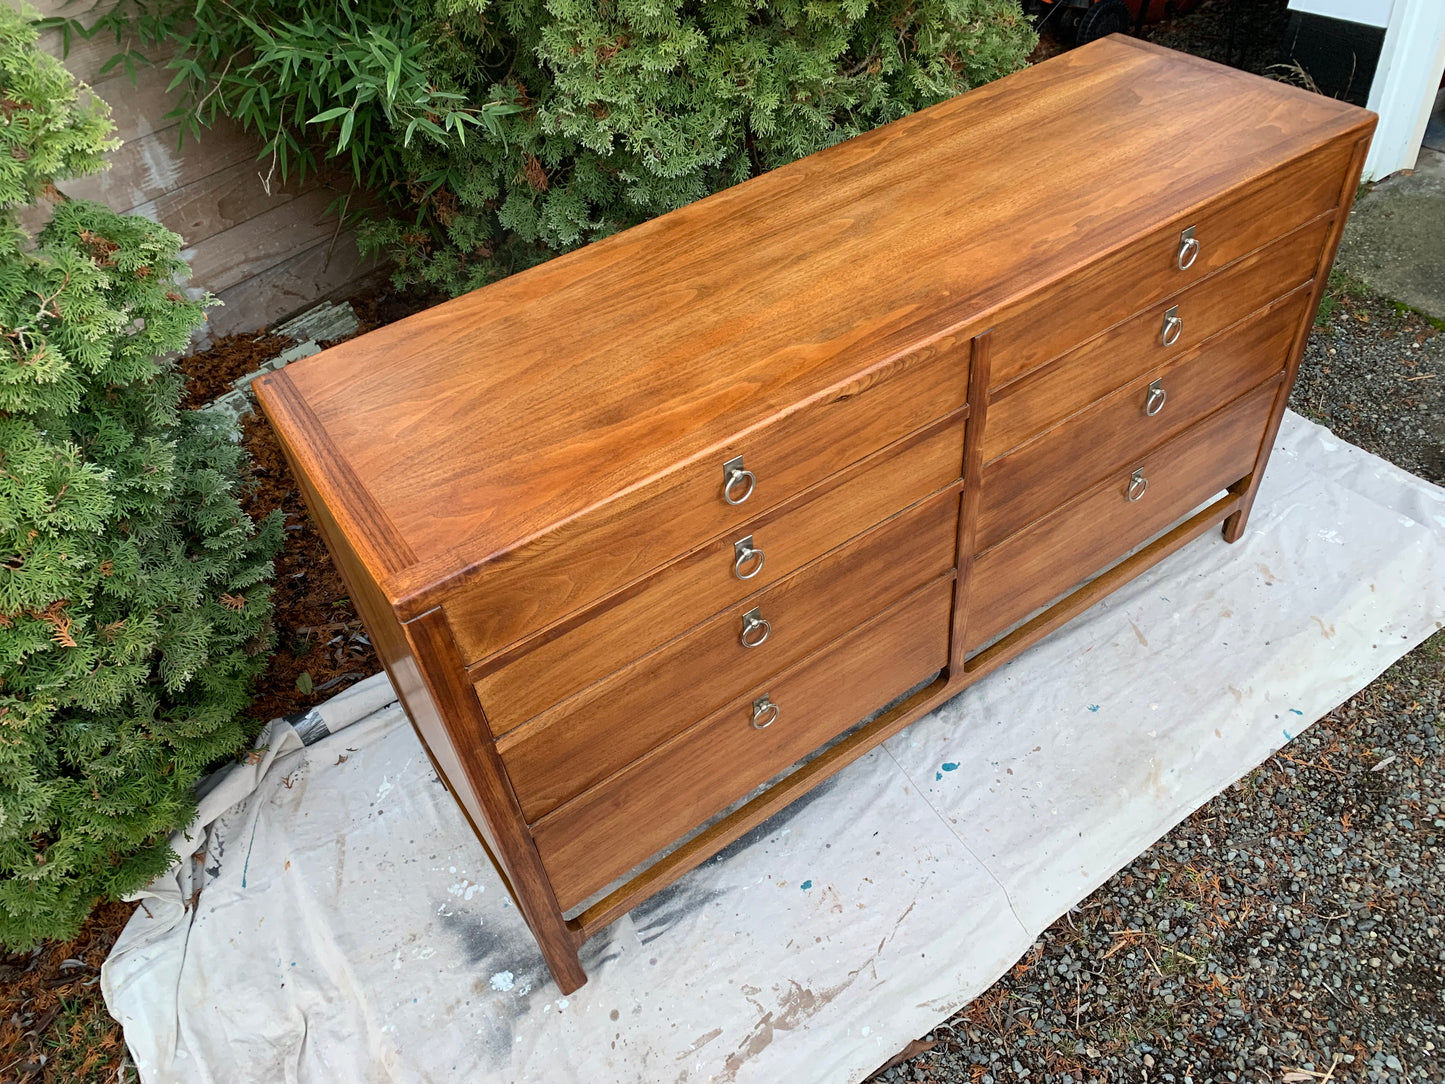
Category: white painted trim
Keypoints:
(1369, 12)
(1403, 93)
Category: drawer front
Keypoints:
(608, 547)
(1048, 395)
(1054, 555)
(1048, 470)
(604, 832)
(1146, 271)
(610, 724)
(544, 671)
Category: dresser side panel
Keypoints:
(1349, 185)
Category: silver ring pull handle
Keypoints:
(756, 629)
(1157, 397)
(765, 713)
(1138, 485)
(744, 554)
(734, 476)
(1188, 250)
(1173, 327)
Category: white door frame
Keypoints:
(1412, 59)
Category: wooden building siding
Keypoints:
(266, 250)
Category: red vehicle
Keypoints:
(1085, 20)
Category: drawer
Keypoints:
(1051, 468)
(606, 831)
(1035, 402)
(564, 660)
(1139, 274)
(608, 725)
(652, 520)
(1052, 556)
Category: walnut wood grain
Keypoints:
(1048, 558)
(603, 833)
(1028, 406)
(356, 518)
(593, 378)
(1046, 471)
(537, 583)
(1103, 585)
(1144, 272)
(697, 848)
(587, 737)
(544, 671)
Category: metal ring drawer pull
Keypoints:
(1188, 249)
(733, 475)
(1173, 327)
(1138, 485)
(743, 552)
(753, 622)
(763, 708)
(1157, 397)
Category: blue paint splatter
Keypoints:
(1296, 711)
(950, 767)
(806, 885)
(1287, 735)
(1094, 707)
(247, 864)
(937, 776)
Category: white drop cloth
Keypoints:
(349, 927)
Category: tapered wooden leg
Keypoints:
(474, 773)
(1233, 528)
(978, 376)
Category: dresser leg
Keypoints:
(562, 959)
(442, 703)
(1234, 525)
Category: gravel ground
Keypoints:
(1290, 929)
(1374, 372)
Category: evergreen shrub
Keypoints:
(501, 132)
(134, 594)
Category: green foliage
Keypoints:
(134, 603)
(349, 76)
(501, 132)
(44, 131)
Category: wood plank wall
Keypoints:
(267, 251)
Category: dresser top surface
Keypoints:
(482, 423)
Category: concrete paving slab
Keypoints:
(1395, 239)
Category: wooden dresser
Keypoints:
(645, 528)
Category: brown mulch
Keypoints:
(318, 633)
(387, 305)
(53, 1023)
(54, 1028)
(209, 373)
